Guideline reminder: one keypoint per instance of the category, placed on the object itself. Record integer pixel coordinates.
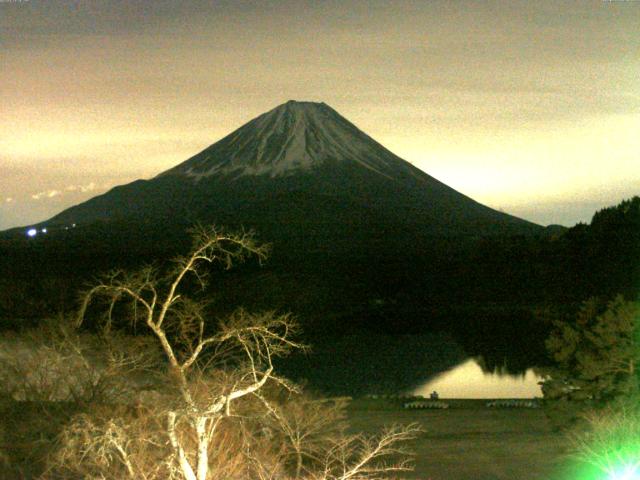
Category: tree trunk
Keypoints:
(203, 448)
(187, 471)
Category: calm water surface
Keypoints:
(467, 380)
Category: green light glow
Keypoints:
(609, 449)
(626, 472)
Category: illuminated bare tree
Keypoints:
(215, 415)
(316, 437)
(611, 443)
(248, 341)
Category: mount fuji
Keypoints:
(304, 169)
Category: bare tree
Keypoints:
(214, 416)
(248, 341)
(309, 428)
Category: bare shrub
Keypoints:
(57, 362)
(359, 457)
(307, 428)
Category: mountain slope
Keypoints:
(293, 137)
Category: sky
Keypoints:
(530, 107)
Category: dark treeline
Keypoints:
(483, 294)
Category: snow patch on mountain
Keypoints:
(293, 137)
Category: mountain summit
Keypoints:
(293, 137)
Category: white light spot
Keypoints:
(32, 232)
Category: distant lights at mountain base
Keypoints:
(32, 232)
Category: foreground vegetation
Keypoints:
(466, 442)
(187, 401)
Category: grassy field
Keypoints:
(469, 441)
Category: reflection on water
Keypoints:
(467, 380)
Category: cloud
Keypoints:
(46, 194)
(9, 200)
(89, 187)
(81, 188)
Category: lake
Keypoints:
(468, 380)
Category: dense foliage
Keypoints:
(596, 356)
